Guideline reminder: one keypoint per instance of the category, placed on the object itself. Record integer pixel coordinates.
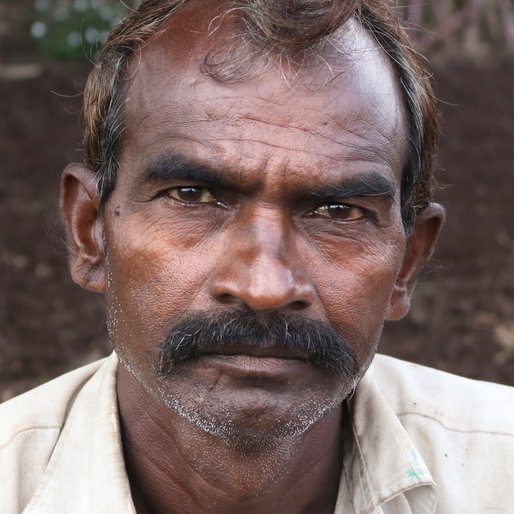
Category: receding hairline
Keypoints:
(221, 37)
(351, 46)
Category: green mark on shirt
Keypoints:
(415, 473)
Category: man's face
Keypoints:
(267, 194)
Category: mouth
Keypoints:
(266, 352)
(272, 364)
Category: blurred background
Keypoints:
(462, 319)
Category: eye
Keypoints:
(340, 211)
(191, 194)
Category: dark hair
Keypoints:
(283, 27)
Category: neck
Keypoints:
(175, 467)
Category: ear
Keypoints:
(420, 246)
(80, 212)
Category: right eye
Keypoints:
(191, 194)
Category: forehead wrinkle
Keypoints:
(231, 148)
(184, 109)
(353, 155)
(161, 120)
(172, 111)
(184, 104)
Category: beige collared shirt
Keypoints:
(412, 428)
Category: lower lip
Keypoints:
(245, 365)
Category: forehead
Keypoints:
(348, 107)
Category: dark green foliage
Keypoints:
(73, 29)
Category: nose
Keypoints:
(261, 268)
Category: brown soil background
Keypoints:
(462, 319)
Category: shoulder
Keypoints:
(45, 406)
(455, 402)
(30, 427)
(462, 428)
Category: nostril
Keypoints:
(298, 305)
(227, 299)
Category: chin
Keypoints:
(252, 417)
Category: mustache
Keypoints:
(214, 332)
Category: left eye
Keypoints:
(340, 211)
(191, 194)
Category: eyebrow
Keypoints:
(367, 185)
(173, 166)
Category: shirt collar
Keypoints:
(87, 471)
(380, 460)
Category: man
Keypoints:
(255, 202)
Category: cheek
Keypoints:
(355, 289)
(154, 275)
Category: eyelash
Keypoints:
(364, 214)
(167, 194)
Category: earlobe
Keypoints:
(80, 212)
(420, 247)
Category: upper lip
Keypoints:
(266, 351)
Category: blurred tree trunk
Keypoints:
(463, 27)
(15, 20)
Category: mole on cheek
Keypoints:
(117, 211)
